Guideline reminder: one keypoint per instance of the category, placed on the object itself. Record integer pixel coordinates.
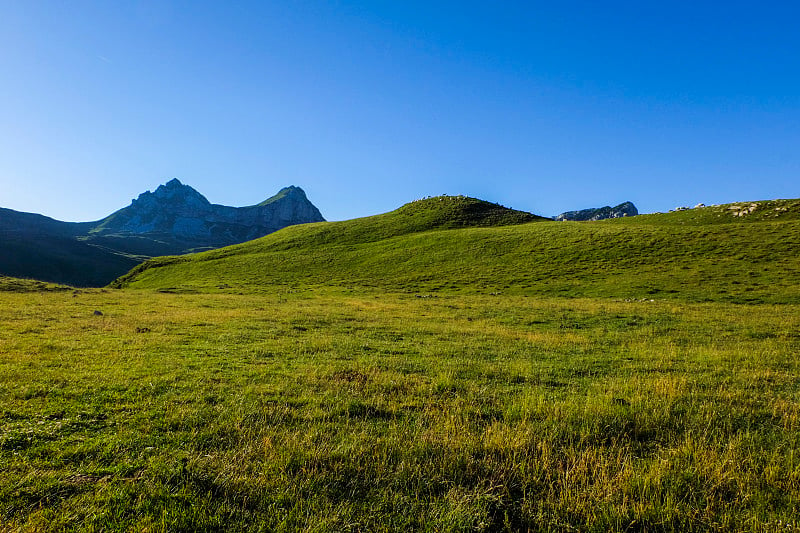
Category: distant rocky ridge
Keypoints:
(182, 217)
(625, 209)
(174, 219)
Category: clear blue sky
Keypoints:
(541, 106)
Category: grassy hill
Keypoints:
(734, 253)
(35, 246)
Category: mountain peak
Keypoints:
(292, 189)
(177, 211)
(174, 192)
(291, 192)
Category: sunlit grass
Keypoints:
(336, 410)
(671, 256)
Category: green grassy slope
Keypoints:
(746, 212)
(385, 412)
(441, 212)
(431, 245)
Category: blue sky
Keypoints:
(541, 106)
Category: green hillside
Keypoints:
(745, 212)
(64, 260)
(460, 244)
(9, 284)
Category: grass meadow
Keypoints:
(326, 409)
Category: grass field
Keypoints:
(243, 392)
(326, 411)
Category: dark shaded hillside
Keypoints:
(62, 260)
(17, 224)
(38, 247)
(406, 251)
(175, 219)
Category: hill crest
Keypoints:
(463, 211)
(427, 214)
(420, 247)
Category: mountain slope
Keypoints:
(406, 250)
(39, 247)
(62, 260)
(24, 224)
(174, 219)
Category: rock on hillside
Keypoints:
(626, 209)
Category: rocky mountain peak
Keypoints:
(293, 191)
(177, 211)
(290, 193)
(174, 193)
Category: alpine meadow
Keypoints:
(449, 366)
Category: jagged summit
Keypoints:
(293, 192)
(177, 211)
(173, 192)
(174, 186)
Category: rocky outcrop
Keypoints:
(179, 213)
(626, 209)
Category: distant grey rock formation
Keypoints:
(626, 209)
(179, 213)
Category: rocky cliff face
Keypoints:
(179, 213)
(626, 209)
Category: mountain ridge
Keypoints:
(625, 209)
(173, 219)
(179, 211)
